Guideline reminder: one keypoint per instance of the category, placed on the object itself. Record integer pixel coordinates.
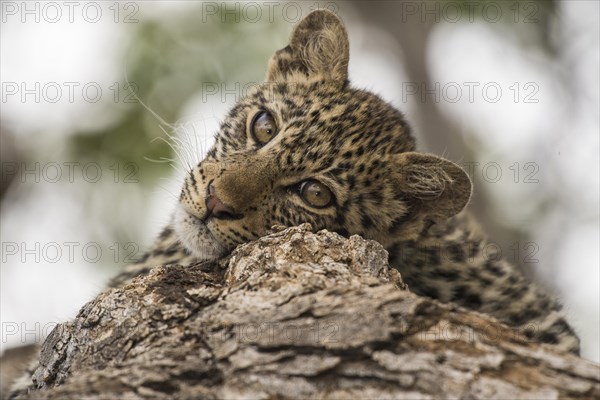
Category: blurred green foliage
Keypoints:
(167, 64)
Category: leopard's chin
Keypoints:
(196, 236)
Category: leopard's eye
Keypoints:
(315, 194)
(263, 127)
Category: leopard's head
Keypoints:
(305, 146)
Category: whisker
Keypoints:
(175, 147)
(154, 114)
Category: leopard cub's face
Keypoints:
(306, 147)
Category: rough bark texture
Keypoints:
(294, 314)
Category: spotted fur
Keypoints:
(361, 148)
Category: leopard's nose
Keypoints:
(215, 207)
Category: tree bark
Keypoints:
(295, 314)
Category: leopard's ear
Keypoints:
(434, 188)
(318, 48)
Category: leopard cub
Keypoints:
(306, 146)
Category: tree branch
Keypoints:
(294, 314)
